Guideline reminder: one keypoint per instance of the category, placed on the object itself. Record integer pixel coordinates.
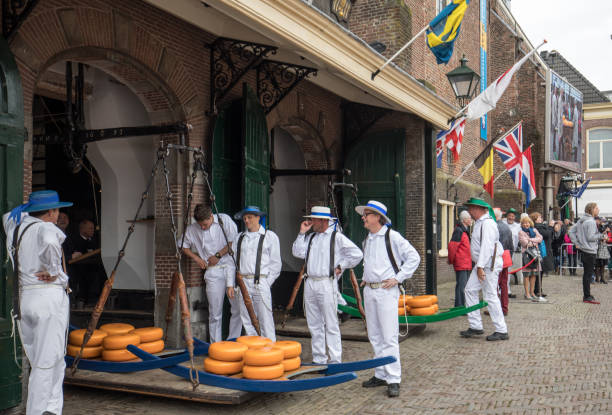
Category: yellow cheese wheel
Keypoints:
(76, 337)
(265, 356)
(254, 342)
(421, 301)
(149, 334)
(402, 300)
(292, 364)
(116, 328)
(401, 311)
(436, 307)
(219, 367)
(152, 347)
(290, 348)
(423, 311)
(88, 352)
(120, 341)
(263, 372)
(227, 351)
(121, 355)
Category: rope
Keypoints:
(521, 268)
(401, 288)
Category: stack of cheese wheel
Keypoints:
(92, 349)
(225, 358)
(151, 339)
(263, 363)
(402, 305)
(291, 354)
(115, 344)
(423, 305)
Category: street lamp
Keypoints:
(464, 82)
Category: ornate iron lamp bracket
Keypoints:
(230, 59)
(276, 79)
(14, 12)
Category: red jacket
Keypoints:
(459, 249)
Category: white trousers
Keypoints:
(215, 292)
(517, 262)
(43, 327)
(383, 329)
(262, 304)
(489, 294)
(320, 302)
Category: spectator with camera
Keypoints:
(586, 236)
(529, 240)
(603, 255)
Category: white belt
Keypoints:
(374, 285)
(35, 286)
(318, 278)
(216, 266)
(252, 277)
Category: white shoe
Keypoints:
(542, 300)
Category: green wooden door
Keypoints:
(377, 164)
(256, 152)
(11, 195)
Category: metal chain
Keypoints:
(177, 251)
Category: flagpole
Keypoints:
(502, 173)
(457, 115)
(398, 52)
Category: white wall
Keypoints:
(600, 195)
(288, 198)
(124, 167)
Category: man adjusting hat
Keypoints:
(327, 253)
(388, 260)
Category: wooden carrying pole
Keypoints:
(357, 294)
(296, 289)
(85, 256)
(248, 303)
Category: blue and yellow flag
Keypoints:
(444, 29)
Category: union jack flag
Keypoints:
(451, 138)
(518, 163)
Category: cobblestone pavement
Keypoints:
(557, 361)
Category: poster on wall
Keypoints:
(563, 123)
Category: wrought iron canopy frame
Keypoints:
(276, 79)
(230, 59)
(14, 12)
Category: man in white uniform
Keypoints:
(206, 238)
(517, 258)
(320, 286)
(259, 262)
(42, 312)
(383, 271)
(487, 256)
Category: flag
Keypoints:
(527, 178)
(577, 193)
(451, 138)
(487, 99)
(484, 164)
(439, 152)
(444, 29)
(510, 150)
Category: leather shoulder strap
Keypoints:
(258, 257)
(332, 251)
(238, 251)
(308, 254)
(16, 245)
(390, 251)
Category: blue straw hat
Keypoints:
(37, 202)
(252, 210)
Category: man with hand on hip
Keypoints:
(258, 260)
(487, 256)
(388, 260)
(327, 253)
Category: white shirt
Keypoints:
(346, 253)
(376, 263)
(207, 243)
(482, 251)
(40, 250)
(515, 228)
(270, 254)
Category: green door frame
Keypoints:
(12, 134)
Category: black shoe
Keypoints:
(590, 299)
(604, 282)
(344, 317)
(374, 382)
(471, 332)
(393, 390)
(511, 295)
(497, 336)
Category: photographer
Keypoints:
(603, 255)
(586, 236)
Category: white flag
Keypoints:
(487, 100)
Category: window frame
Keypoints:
(447, 210)
(601, 153)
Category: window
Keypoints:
(599, 150)
(441, 4)
(446, 225)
